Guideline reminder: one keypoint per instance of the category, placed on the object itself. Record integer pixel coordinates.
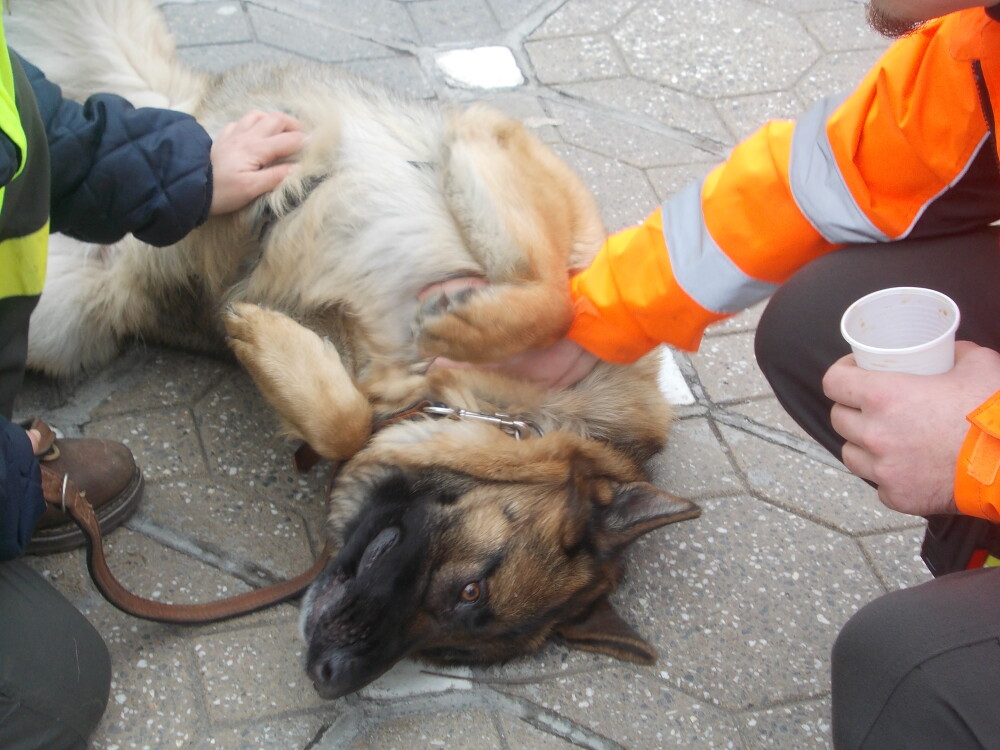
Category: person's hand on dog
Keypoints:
(559, 365)
(247, 157)
(904, 432)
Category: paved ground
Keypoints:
(742, 604)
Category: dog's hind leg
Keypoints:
(301, 375)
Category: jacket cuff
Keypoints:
(602, 323)
(977, 473)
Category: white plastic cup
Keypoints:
(902, 329)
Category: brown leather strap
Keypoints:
(64, 495)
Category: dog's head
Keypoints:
(476, 565)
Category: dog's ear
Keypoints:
(636, 509)
(603, 631)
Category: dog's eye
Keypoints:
(471, 592)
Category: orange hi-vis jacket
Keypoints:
(911, 152)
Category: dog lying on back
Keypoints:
(461, 534)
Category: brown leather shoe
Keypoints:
(105, 471)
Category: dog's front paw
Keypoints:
(301, 375)
(469, 320)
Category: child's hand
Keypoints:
(244, 157)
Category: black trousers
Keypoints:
(918, 668)
(55, 670)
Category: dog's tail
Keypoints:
(116, 46)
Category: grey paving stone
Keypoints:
(254, 673)
(454, 22)
(834, 74)
(806, 486)
(843, 29)
(741, 617)
(216, 59)
(249, 528)
(897, 556)
(386, 22)
(623, 192)
(222, 22)
(571, 59)
(767, 411)
(673, 110)
(694, 464)
(583, 16)
(722, 48)
(165, 442)
(168, 378)
(291, 34)
(401, 73)
(634, 709)
(471, 729)
(520, 734)
(728, 369)
(621, 140)
(802, 725)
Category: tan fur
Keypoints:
(318, 287)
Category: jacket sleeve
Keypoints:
(21, 502)
(793, 191)
(118, 170)
(977, 474)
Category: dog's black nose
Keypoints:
(382, 543)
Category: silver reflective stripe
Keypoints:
(700, 267)
(818, 186)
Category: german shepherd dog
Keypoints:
(461, 534)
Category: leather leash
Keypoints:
(63, 494)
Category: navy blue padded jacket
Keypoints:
(115, 170)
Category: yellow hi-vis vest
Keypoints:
(24, 201)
